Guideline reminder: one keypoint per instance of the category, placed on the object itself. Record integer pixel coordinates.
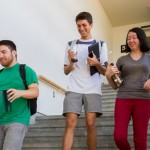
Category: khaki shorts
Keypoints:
(73, 103)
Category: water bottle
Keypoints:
(73, 48)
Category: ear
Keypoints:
(14, 53)
(91, 25)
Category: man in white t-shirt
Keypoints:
(83, 88)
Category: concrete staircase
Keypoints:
(47, 133)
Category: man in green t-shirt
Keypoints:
(14, 110)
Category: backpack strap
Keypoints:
(32, 104)
(101, 42)
(23, 74)
(100, 45)
(73, 43)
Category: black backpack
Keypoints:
(32, 103)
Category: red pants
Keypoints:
(139, 111)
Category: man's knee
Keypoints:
(71, 121)
(90, 120)
(90, 124)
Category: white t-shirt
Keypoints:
(80, 79)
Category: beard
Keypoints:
(6, 62)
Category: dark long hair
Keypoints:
(142, 38)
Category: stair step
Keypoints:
(47, 133)
(79, 131)
(79, 142)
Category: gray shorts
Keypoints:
(73, 103)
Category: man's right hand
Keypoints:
(71, 55)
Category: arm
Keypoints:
(31, 92)
(68, 68)
(109, 72)
(101, 69)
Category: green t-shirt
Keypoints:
(19, 111)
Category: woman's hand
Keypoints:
(111, 70)
(147, 85)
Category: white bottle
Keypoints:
(73, 48)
